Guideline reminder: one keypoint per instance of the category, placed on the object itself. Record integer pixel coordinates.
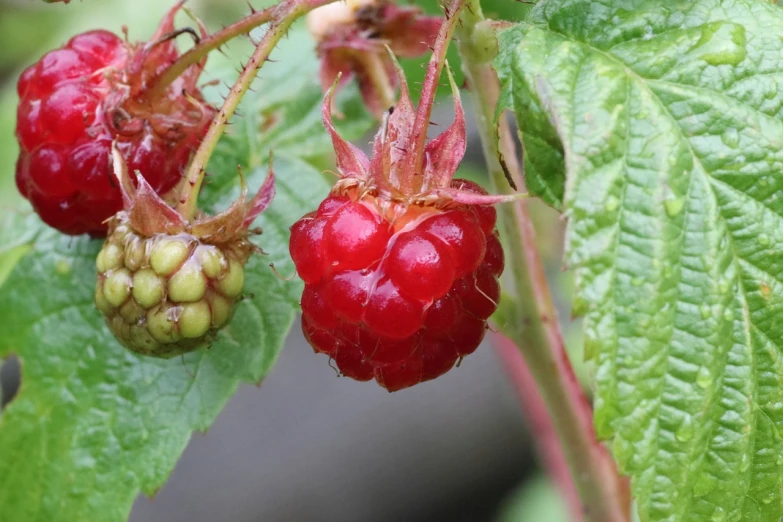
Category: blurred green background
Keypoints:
(28, 28)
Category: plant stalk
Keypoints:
(214, 41)
(533, 406)
(283, 15)
(603, 494)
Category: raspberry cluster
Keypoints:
(76, 100)
(167, 294)
(401, 295)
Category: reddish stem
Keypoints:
(283, 15)
(214, 41)
(540, 422)
(430, 86)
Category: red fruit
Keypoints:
(401, 262)
(76, 100)
(397, 304)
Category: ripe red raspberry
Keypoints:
(79, 98)
(399, 299)
(166, 286)
(400, 262)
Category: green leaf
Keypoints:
(543, 159)
(669, 117)
(17, 233)
(94, 423)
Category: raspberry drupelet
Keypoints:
(76, 100)
(400, 262)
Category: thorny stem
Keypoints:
(214, 41)
(283, 15)
(430, 86)
(604, 495)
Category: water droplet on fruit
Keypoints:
(704, 377)
(612, 204)
(685, 432)
(674, 206)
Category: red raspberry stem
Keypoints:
(430, 88)
(282, 15)
(603, 493)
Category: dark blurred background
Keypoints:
(307, 445)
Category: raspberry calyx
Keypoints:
(166, 285)
(78, 99)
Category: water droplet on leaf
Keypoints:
(730, 138)
(63, 267)
(612, 204)
(704, 484)
(685, 432)
(763, 239)
(704, 377)
(674, 206)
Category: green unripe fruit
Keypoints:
(165, 295)
(168, 254)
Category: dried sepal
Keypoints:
(148, 213)
(351, 40)
(404, 166)
(443, 154)
(351, 161)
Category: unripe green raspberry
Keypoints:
(166, 285)
(172, 293)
